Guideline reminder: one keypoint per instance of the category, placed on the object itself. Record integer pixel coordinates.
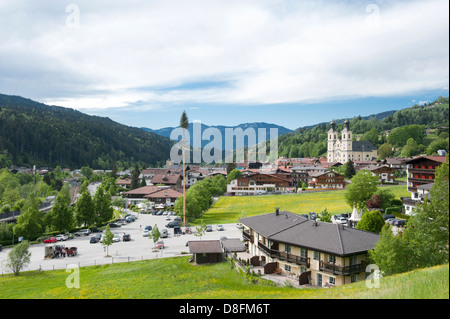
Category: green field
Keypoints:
(176, 278)
(228, 209)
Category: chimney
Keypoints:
(277, 211)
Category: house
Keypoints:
(167, 197)
(417, 198)
(173, 180)
(124, 183)
(316, 253)
(397, 163)
(326, 180)
(206, 251)
(137, 195)
(257, 184)
(384, 172)
(301, 173)
(420, 172)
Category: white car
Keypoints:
(145, 233)
(116, 238)
(61, 237)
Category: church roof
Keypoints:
(358, 146)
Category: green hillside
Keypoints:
(176, 278)
(33, 133)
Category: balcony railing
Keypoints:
(285, 256)
(246, 235)
(342, 270)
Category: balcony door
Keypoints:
(319, 279)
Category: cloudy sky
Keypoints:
(289, 62)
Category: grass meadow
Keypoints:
(228, 209)
(176, 278)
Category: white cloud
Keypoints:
(268, 51)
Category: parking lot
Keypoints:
(138, 248)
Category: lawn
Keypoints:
(176, 278)
(228, 209)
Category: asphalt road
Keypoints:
(138, 248)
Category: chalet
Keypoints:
(326, 180)
(384, 172)
(420, 173)
(396, 163)
(257, 184)
(206, 251)
(173, 180)
(301, 173)
(124, 183)
(137, 195)
(315, 253)
(167, 197)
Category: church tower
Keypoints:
(347, 143)
(332, 139)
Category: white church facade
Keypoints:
(344, 148)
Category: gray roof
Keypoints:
(233, 244)
(296, 230)
(205, 246)
(358, 146)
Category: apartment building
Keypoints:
(315, 253)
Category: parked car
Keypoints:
(209, 228)
(83, 232)
(220, 228)
(164, 233)
(149, 228)
(312, 215)
(391, 221)
(126, 237)
(239, 226)
(114, 225)
(306, 216)
(145, 233)
(168, 217)
(400, 222)
(61, 237)
(96, 238)
(176, 230)
(173, 223)
(50, 240)
(96, 230)
(116, 238)
(160, 244)
(345, 215)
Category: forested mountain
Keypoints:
(255, 126)
(33, 133)
(407, 123)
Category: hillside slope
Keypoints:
(37, 134)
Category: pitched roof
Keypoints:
(204, 246)
(440, 159)
(296, 230)
(164, 193)
(166, 179)
(357, 146)
(145, 190)
(233, 244)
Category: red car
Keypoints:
(160, 244)
(50, 240)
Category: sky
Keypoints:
(289, 62)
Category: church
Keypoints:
(344, 149)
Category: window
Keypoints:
(353, 278)
(331, 259)
(287, 248)
(332, 280)
(302, 252)
(316, 255)
(287, 268)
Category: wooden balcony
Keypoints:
(246, 235)
(284, 256)
(342, 270)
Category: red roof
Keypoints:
(164, 193)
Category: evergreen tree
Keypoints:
(85, 210)
(104, 211)
(61, 215)
(135, 177)
(349, 169)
